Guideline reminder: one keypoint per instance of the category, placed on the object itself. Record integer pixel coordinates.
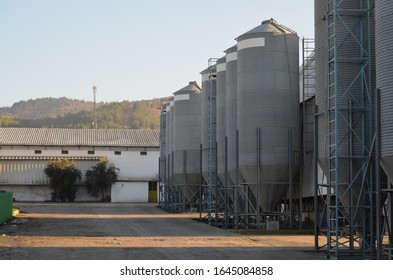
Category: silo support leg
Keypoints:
(258, 177)
(290, 171)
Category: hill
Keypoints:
(69, 113)
(46, 108)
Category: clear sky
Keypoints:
(129, 49)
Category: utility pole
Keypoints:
(95, 115)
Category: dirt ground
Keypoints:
(139, 231)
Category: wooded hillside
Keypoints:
(69, 113)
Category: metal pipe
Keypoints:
(303, 128)
(316, 204)
(290, 162)
(95, 114)
(237, 181)
(184, 180)
(390, 219)
(166, 196)
(258, 185)
(378, 208)
(201, 183)
(159, 181)
(350, 175)
(226, 185)
(216, 185)
(170, 185)
(172, 165)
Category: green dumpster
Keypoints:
(5, 206)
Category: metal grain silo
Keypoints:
(268, 99)
(384, 71)
(163, 153)
(231, 111)
(321, 54)
(345, 82)
(221, 117)
(168, 140)
(208, 76)
(354, 79)
(186, 139)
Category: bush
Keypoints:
(100, 178)
(63, 175)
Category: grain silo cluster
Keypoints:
(267, 144)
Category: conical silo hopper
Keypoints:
(186, 139)
(268, 99)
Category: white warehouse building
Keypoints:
(25, 152)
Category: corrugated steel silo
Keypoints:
(268, 98)
(169, 138)
(321, 54)
(221, 117)
(354, 39)
(186, 138)
(163, 153)
(231, 110)
(384, 70)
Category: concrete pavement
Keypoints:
(134, 231)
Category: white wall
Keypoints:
(130, 192)
(28, 193)
(132, 165)
(26, 179)
(41, 193)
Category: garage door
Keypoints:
(130, 192)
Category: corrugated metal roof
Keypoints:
(270, 26)
(48, 158)
(192, 87)
(79, 137)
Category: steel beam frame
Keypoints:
(350, 188)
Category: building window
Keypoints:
(117, 152)
(64, 152)
(144, 153)
(90, 152)
(38, 152)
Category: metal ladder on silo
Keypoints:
(345, 110)
(331, 214)
(308, 92)
(211, 141)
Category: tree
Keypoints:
(100, 178)
(63, 175)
